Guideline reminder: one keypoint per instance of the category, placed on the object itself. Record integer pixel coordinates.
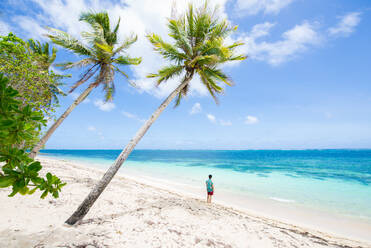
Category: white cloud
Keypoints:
(346, 25)
(294, 41)
(253, 7)
(31, 26)
(132, 116)
(260, 30)
(251, 120)
(225, 123)
(4, 28)
(104, 106)
(196, 108)
(91, 128)
(211, 118)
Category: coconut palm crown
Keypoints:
(103, 55)
(198, 47)
(46, 58)
(102, 58)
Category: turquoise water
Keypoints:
(330, 180)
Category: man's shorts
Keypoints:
(210, 193)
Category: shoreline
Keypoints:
(185, 209)
(314, 219)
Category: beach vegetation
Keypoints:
(27, 64)
(19, 125)
(198, 47)
(102, 55)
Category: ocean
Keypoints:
(336, 181)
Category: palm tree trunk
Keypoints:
(56, 124)
(85, 206)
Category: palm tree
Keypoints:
(198, 48)
(102, 57)
(45, 59)
(42, 50)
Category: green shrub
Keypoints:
(19, 124)
(28, 66)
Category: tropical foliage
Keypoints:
(103, 54)
(19, 124)
(27, 65)
(198, 47)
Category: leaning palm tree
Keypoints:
(102, 57)
(198, 48)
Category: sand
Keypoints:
(133, 214)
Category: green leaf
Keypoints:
(32, 191)
(23, 190)
(35, 166)
(14, 192)
(7, 123)
(43, 195)
(55, 194)
(20, 183)
(6, 181)
(49, 177)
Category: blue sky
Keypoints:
(306, 83)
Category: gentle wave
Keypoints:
(281, 199)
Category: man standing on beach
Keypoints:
(209, 189)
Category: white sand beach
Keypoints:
(133, 214)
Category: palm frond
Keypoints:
(166, 73)
(208, 82)
(100, 18)
(126, 44)
(111, 36)
(222, 29)
(54, 55)
(117, 26)
(63, 39)
(80, 63)
(126, 60)
(177, 100)
(122, 72)
(166, 49)
(96, 36)
(218, 75)
(190, 21)
(87, 75)
(203, 60)
(43, 52)
(203, 23)
(105, 48)
(177, 32)
(105, 77)
(109, 90)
